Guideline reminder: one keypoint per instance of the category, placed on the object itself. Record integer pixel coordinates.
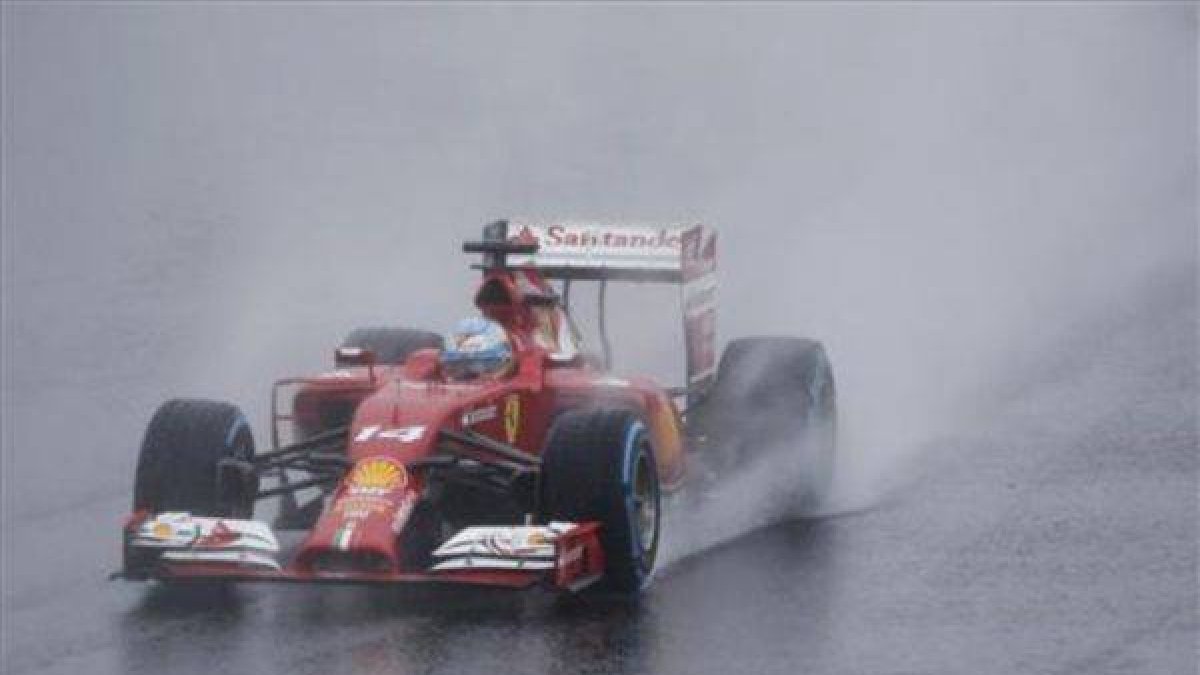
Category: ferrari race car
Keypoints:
(388, 470)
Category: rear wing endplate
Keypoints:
(677, 253)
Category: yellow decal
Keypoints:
(666, 439)
(379, 474)
(512, 417)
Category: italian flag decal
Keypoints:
(341, 538)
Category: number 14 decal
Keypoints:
(399, 434)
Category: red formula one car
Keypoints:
(553, 474)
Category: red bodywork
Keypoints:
(398, 413)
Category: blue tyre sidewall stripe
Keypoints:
(237, 425)
(629, 460)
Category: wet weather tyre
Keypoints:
(598, 465)
(777, 394)
(392, 345)
(185, 446)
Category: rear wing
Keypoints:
(675, 253)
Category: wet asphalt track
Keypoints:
(1039, 543)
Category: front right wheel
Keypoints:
(178, 467)
(598, 465)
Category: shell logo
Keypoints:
(379, 474)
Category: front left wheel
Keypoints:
(598, 465)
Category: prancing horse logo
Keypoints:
(512, 417)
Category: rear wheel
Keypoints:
(195, 457)
(776, 394)
(392, 345)
(598, 465)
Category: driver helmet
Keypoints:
(477, 347)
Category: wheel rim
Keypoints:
(242, 443)
(645, 504)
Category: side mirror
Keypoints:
(353, 356)
(423, 365)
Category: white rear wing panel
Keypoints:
(698, 267)
(679, 253)
(603, 250)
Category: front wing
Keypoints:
(179, 546)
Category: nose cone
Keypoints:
(358, 533)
